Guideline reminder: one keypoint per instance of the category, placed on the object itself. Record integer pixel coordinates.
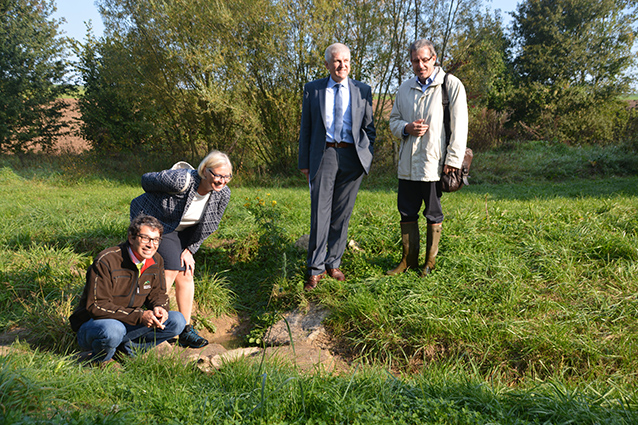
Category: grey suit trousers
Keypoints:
(333, 192)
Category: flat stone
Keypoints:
(302, 243)
(212, 350)
(212, 363)
(197, 354)
(165, 349)
(305, 357)
(354, 246)
(305, 326)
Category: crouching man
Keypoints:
(124, 305)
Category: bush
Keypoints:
(629, 132)
(569, 114)
(487, 128)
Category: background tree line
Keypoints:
(32, 70)
(185, 76)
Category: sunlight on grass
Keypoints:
(530, 314)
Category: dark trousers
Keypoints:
(412, 194)
(333, 192)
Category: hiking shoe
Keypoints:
(190, 338)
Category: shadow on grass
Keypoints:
(577, 188)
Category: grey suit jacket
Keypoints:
(312, 136)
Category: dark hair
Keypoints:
(144, 220)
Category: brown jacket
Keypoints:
(114, 291)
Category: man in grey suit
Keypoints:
(335, 151)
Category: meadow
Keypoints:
(530, 317)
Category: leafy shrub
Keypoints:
(487, 128)
(629, 133)
(568, 114)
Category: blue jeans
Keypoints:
(103, 337)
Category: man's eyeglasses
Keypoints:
(220, 176)
(147, 239)
(425, 60)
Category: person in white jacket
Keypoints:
(417, 119)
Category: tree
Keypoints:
(478, 56)
(572, 64)
(580, 42)
(202, 74)
(441, 20)
(32, 70)
(115, 117)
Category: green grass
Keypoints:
(530, 317)
(42, 388)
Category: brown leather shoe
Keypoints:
(312, 281)
(336, 274)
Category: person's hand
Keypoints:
(161, 314)
(150, 320)
(306, 172)
(447, 169)
(188, 262)
(417, 128)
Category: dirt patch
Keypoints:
(71, 140)
(311, 349)
(12, 335)
(230, 331)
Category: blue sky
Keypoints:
(77, 12)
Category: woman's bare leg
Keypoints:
(184, 291)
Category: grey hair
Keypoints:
(144, 220)
(420, 44)
(334, 48)
(213, 160)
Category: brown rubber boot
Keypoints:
(411, 244)
(433, 238)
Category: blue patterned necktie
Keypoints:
(338, 114)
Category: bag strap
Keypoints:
(448, 128)
(446, 110)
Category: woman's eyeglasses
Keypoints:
(220, 176)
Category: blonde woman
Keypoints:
(190, 204)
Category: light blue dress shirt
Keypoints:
(347, 114)
(428, 81)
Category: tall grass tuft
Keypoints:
(213, 294)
